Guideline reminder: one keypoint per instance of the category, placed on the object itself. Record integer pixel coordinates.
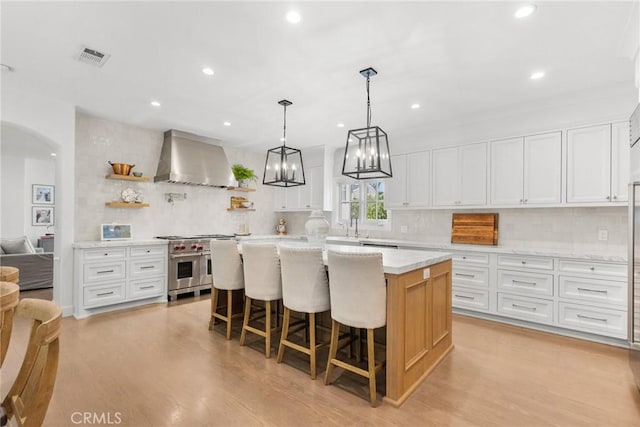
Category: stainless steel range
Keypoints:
(190, 263)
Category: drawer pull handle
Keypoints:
(592, 268)
(524, 262)
(599, 319)
(105, 294)
(600, 291)
(465, 275)
(524, 282)
(105, 271)
(106, 254)
(464, 297)
(148, 251)
(524, 306)
(146, 267)
(147, 287)
(464, 257)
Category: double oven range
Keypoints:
(190, 263)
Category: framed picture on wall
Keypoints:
(43, 194)
(42, 215)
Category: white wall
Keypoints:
(12, 197)
(204, 211)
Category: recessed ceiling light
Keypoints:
(154, 103)
(227, 123)
(537, 75)
(293, 17)
(53, 154)
(415, 106)
(525, 11)
(208, 71)
(340, 125)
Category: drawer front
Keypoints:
(593, 268)
(145, 288)
(470, 258)
(145, 267)
(471, 276)
(104, 253)
(525, 262)
(144, 251)
(525, 282)
(470, 298)
(99, 295)
(533, 309)
(592, 319)
(104, 271)
(594, 290)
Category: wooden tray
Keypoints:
(474, 229)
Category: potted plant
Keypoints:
(243, 175)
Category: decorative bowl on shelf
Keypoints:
(137, 174)
(246, 205)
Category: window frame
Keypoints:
(363, 223)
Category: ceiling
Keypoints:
(453, 58)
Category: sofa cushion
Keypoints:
(20, 245)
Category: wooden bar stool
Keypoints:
(358, 299)
(262, 282)
(226, 269)
(9, 293)
(305, 289)
(9, 274)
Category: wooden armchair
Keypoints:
(9, 293)
(28, 398)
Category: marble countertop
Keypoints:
(112, 243)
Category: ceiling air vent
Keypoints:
(93, 57)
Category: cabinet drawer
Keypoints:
(471, 258)
(145, 288)
(525, 261)
(104, 271)
(592, 319)
(99, 295)
(145, 267)
(142, 251)
(594, 290)
(533, 309)
(104, 253)
(593, 268)
(470, 298)
(525, 282)
(471, 276)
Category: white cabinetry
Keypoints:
(527, 170)
(471, 281)
(118, 275)
(410, 184)
(597, 164)
(460, 176)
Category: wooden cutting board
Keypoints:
(474, 229)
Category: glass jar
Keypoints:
(317, 228)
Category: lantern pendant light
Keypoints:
(283, 167)
(366, 155)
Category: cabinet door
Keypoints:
(316, 188)
(396, 187)
(445, 177)
(620, 164)
(418, 167)
(543, 168)
(507, 171)
(280, 199)
(292, 197)
(473, 174)
(589, 164)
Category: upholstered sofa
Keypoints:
(36, 268)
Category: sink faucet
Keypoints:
(356, 233)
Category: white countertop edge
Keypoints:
(115, 243)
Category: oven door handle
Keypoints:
(184, 256)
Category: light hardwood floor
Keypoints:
(160, 366)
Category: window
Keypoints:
(364, 201)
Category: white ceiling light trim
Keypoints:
(525, 11)
(415, 106)
(537, 75)
(227, 123)
(155, 104)
(340, 125)
(293, 17)
(208, 71)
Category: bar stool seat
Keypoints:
(226, 269)
(9, 274)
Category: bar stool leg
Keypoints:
(214, 307)
(312, 344)
(333, 349)
(372, 366)
(229, 312)
(285, 333)
(267, 330)
(245, 321)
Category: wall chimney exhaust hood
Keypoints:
(193, 160)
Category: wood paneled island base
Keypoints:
(419, 331)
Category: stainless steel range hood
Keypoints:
(193, 160)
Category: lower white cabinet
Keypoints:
(474, 299)
(525, 282)
(526, 308)
(593, 319)
(113, 277)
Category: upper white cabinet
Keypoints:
(410, 184)
(460, 175)
(597, 164)
(527, 170)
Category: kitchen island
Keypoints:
(419, 331)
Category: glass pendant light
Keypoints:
(283, 167)
(366, 155)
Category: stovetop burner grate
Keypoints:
(196, 237)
